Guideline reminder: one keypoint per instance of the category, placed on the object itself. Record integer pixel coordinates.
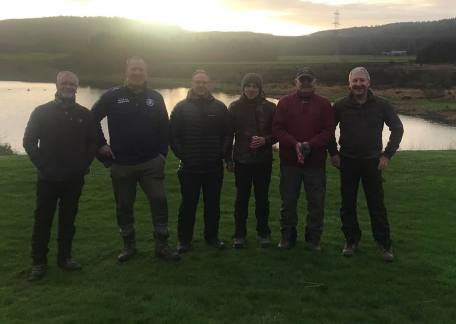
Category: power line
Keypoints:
(336, 22)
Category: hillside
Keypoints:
(169, 43)
(96, 47)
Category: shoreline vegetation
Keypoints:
(251, 285)
(421, 90)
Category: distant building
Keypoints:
(394, 53)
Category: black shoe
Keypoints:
(238, 242)
(127, 253)
(216, 243)
(183, 247)
(69, 265)
(314, 246)
(284, 244)
(264, 241)
(38, 271)
(349, 249)
(388, 255)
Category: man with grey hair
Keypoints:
(138, 129)
(60, 141)
(361, 116)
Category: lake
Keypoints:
(18, 99)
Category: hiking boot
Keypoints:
(349, 249)
(264, 241)
(38, 271)
(69, 265)
(183, 247)
(163, 251)
(238, 242)
(388, 255)
(216, 243)
(128, 251)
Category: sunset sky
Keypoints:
(279, 17)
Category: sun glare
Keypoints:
(194, 15)
(207, 15)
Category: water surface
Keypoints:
(18, 99)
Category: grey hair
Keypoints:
(61, 74)
(361, 69)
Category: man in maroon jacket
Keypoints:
(303, 124)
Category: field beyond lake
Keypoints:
(251, 285)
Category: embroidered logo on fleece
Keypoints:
(150, 102)
(122, 100)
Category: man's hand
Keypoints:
(106, 151)
(230, 166)
(335, 161)
(299, 153)
(383, 163)
(257, 141)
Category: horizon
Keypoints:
(221, 31)
(281, 18)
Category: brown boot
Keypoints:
(162, 249)
(129, 249)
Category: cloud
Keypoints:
(352, 12)
(285, 17)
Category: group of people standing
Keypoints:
(62, 138)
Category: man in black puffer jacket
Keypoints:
(60, 141)
(252, 118)
(201, 137)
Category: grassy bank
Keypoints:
(246, 286)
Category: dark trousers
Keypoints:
(48, 194)
(150, 176)
(191, 185)
(258, 174)
(291, 179)
(366, 170)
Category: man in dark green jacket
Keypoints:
(361, 116)
(60, 141)
(251, 117)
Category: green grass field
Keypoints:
(435, 105)
(245, 286)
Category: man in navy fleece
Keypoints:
(138, 129)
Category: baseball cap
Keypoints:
(306, 72)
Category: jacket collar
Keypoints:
(258, 99)
(299, 97)
(193, 97)
(136, 90)
(370, 97)
(65, 102)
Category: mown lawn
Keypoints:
(245, 286)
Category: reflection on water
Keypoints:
(18, 99)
